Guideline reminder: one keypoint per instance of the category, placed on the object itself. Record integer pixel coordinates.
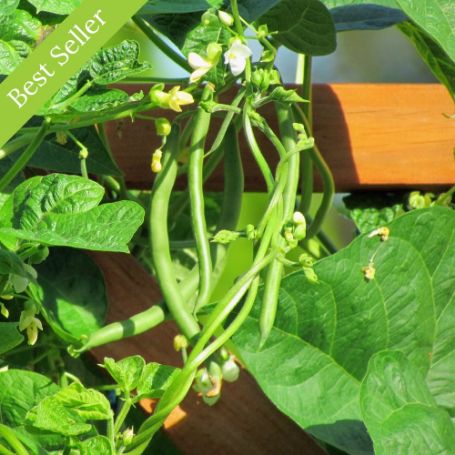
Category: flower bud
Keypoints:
(369, 271)
(83, 154)
(61, 137)
(209, 18)
(230, 370)
(128, 436)
(156, 165)
(163, 127)
(180, 342)
(4, 311)
(225, 18)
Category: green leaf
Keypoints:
(55, 157)
(20, 391)
(99, 445)
(304, 26)
(399, 411)
(101, 99)
(62, 210)
(437, 18)
(56, 6)
(20, 26)
(8, 6)
(9, 58)
(72, 293)
(9, 336)
(364, 14)
(126, 372)
(326, 332)
(68, 411)
(178, 6)
(372, 210)
(155, 379)
(432, 54)
(253, 9)
(116, 63)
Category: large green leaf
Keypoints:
(72, 293)
(399, 411)
(325, 333)
(432, 54)
(178, 6)
(9, 58)
(56, 157)
(364, 14)
(437, 18)
(62, 210)
(9, 336)
(304, 26)
(56, 6)
(20, 391)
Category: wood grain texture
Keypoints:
(372, 136)
(242, 422)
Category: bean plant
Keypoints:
(356, 346)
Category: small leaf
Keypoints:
(115, 63)
(20, 391)
(99, 445)
(68, 411)
(304, 26)
(72, 293)
(8, 6)
(126, 372)
(155, 379)
(56, 6)
(9, 337)
(9, 58)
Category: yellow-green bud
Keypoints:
(156, 165)
(83, 154)
(209, 18)
(230, 370)
(226, 18)
(4, 311)
(180, 342)
(163, 127)
(61, 137)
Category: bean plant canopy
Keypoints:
(356, 346)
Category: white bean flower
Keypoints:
(236, 57)
(202, 65)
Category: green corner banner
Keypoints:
(59, 57)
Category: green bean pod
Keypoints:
(159, 239)
(196, 190)
(275, 270)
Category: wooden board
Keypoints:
(242, 422)
(372, 136)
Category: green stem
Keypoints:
(15, 145)
(276, 268)
(256, 152)
(5, 451)
(159, 239)
(64, 104)
(196, 192)
(147, 29)
(126, 406)
(22, 161)
(327, 180)
(307, 170)
(239, 30)
(9, 436)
